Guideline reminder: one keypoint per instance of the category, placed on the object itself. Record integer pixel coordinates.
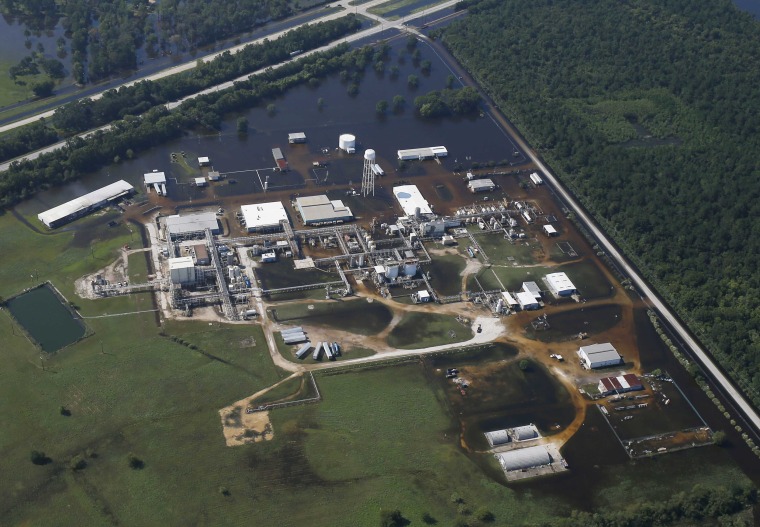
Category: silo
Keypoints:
(347, 143)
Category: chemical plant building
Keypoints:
(157, 180)
(264, 217)
(191, 223)
(182, 270)
(411, 201)
(320, 210)
(620, 384)
(419, 154)
(481, 185)
(599, 356)
(560, 285)
(86, 204)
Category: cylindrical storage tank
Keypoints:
(499, 306)
(369, 155)
(372, 246)
(417, 212)
(347, 143)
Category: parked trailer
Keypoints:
(317, 351)
(301, 353)
(336, 349)
(299, 329)
(295, 339)
(328, 351)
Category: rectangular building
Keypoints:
(182, 270)
(83, 205)
(178, 225)
(152, 178)
(560, 285)
(296, 137)
(204, 161)
(200, 182)
(481, 185)
(263, 217)
(550, 230)
(620, 384)
(533, 289)
(411, 201)
(201, 255)
(599, 356)
(536, 179)
(527, 301)
(320, 210)
(430, 152)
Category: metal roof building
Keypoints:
(599, 355)
(533, 289)
(534, 456)
(320, 209)
(550, 230)
(85, 204)
(422, 153)
(264, 216)
(560, 284)
(411, 200)
(498, 437)
(620, 384)
(152, 178)
(481, 185)
(296, 137)
(527, 301)
(525, 433)
(189, 223)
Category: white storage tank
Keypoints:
(347, 143)
(369, 155)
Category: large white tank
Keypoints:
(347, 143)
(369, 155)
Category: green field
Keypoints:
(422, 330)
(499, 250)
(10, 92)
(138, 268)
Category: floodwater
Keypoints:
(567, 324)
(355, 316)
(750, 6)
(248, 161)
(46, 319)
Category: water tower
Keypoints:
(368, 175)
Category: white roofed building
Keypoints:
(560, 285)
(523, 458)
(411, 200)
(178, 225)
(263, 217)
(85, 204)
(320, 210)
(599, 356)
(527, 301)
(151, 178)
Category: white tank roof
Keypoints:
(369, 154)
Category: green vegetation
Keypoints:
(682, 210)
(138, 267)
(447, 102)
(423, 330)
(12, 92)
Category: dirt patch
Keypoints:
(241, 428)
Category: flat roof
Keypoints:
(508, 298)
(297, 135)
(86, 202)
(183, 262)
(550, 229)
(196, 222)
(422, 153)
(532, 288)
(263, 215)
(481, 183)
(559, 282)
(526, 299)
(410, 198)
(204, 160)
(320, 209)
(534, 456)
(154, 177)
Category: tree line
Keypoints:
(85, 114)
(655, 125)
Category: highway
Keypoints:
(383, 25)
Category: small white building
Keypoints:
(447, 239)
(560, 285)
(204, 161)
(527, 301)
(155, 177)
(599, 356)
(200, 182)
(213, 175)
(536, 179)
(550, 230)
(533, 289)
(182, 270)
(509, 299)
(296, 137)
(269, 257)
(423, 296)
(481, 185)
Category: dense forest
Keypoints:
(106, 34)
(655, 124)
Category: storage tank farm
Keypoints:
(368, 175)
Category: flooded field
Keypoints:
(50, 323)
(568, 324)
(356, 316)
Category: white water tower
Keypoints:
(368, 175)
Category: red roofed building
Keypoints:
(620, 384)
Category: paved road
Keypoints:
(382, 26)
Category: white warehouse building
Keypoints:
(599, 356)
(523, 458)
(264, 216)
(560, 285)
(411, 201)
(182, 270)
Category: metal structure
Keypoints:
(368, 174)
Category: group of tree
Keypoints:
(447, 102)
(85, 114)
(159, 125)
(655, 125)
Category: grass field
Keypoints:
(499, 250)
(138, 268)
(422, 330)
(10, 92)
